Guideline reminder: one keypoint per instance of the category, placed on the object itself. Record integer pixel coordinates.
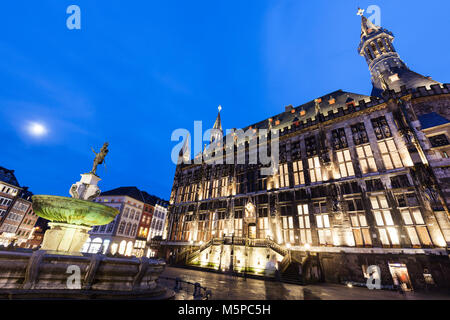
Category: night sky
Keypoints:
(137, 70)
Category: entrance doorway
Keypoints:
(252, 231)
(400, 276)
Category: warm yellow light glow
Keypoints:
(307, 246)
(288, 245)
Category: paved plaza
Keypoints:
(226, 287)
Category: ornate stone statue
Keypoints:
(87, 188)
(99, 157)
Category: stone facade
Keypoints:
(355, 181)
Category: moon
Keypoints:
(37, 129)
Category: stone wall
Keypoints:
(26, 272)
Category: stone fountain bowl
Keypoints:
(73, 211)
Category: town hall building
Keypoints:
(362, 180)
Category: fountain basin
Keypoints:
(73, 211)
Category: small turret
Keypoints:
(388, 71)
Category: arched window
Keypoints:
(105, 245)
(114, 248)
(129, 248)
(122, 247)
(132, 214)
(125, 212)
(374, 49)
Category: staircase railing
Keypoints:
(276, 247)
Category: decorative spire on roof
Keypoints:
(185, 151)
(217, 132)
(367, 27)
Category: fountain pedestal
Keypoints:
(87, 188)
(64, 238)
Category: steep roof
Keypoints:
(328, 103)
(135, 193)
(8, 176)
(132, 192)
(432, 119)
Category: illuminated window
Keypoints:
(263, 223)
(206, 192)
(215, 188)
(389, 154)
(412, 217)
(287, 224)
(283, 175)
(304, 224)
(224, 187)
(315, 171)
(360, 227)
(383, 218)
(345, 163)
(366, 159)
(299, 176)
(238, 215)
(323, 223)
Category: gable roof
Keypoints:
(432, 119)
(135, 193)
(8, 176)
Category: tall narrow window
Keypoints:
(413, 219)
(287, 225)
(283, 175)
(299, 176)
(263, 223)
(238, 223)
(304, 224)
(315, 171)
(388, 232)
(366, 159)
(323, 223)
(345, 163)
(389, 154)
(358, 219)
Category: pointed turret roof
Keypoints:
(218, 123)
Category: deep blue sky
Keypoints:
(137, 70)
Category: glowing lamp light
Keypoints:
(288, 245)
(307, 246)
(37, 129)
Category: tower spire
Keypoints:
(217, 132)
(388, 71)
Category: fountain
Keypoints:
(72, 218)
(60, 270)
